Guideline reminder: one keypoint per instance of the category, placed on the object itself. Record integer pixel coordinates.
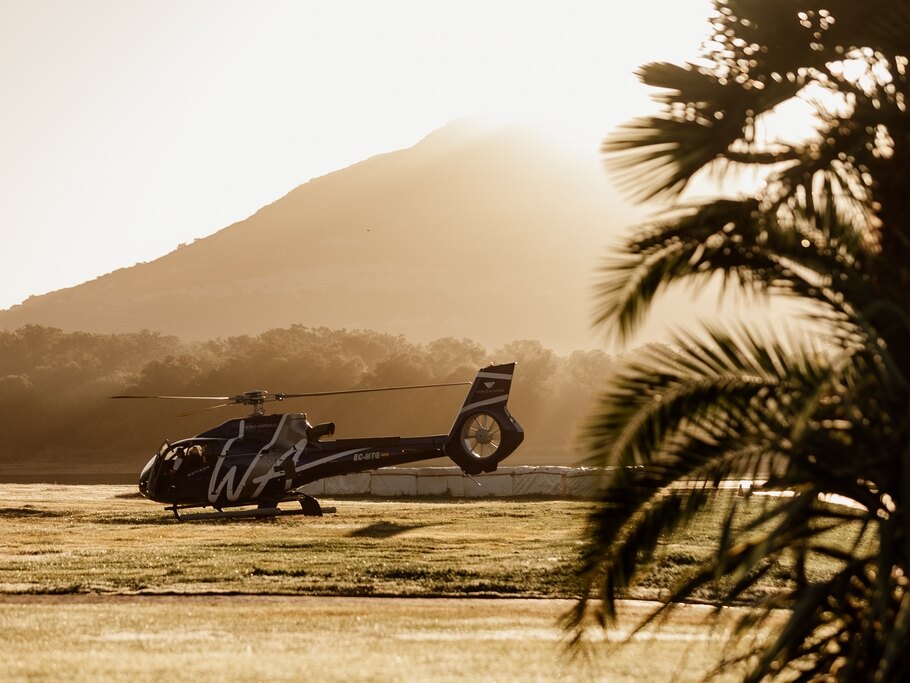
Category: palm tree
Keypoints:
(825, 414)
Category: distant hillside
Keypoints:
(489, 234)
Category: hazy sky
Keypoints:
(129, 127)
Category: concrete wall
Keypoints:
(558, 482)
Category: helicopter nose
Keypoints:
(145, 477)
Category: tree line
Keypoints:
(55, 388)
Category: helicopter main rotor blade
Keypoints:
(364, 391)
(202, 410)
(187, 398)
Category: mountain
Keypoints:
(487, 233)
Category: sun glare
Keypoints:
(153, 126)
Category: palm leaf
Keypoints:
(820, 419)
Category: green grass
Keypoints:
(98, 584)
(289, 638)
(104, 539)
(96, 539)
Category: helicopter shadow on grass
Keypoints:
(384, 529)
(27, 511)
(133, 495)
(157, 519)
(135, 520)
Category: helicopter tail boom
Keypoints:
(484, 432)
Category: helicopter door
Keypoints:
(148, 479)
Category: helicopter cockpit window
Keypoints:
(194, 453)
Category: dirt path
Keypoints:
(278, 638)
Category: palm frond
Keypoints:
(809, 252)
(656, 156)
(821, 421)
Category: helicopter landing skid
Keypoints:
(309, 507)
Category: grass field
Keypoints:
(104, 539)
(290, 638)
(98, 584)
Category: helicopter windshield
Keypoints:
(190, 452)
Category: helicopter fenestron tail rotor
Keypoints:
(256, 398)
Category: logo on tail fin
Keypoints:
(491, 386)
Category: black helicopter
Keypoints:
(263, 459)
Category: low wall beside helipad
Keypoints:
(552, 481)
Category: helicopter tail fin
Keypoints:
(484, 432)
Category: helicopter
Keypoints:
(263, 460)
